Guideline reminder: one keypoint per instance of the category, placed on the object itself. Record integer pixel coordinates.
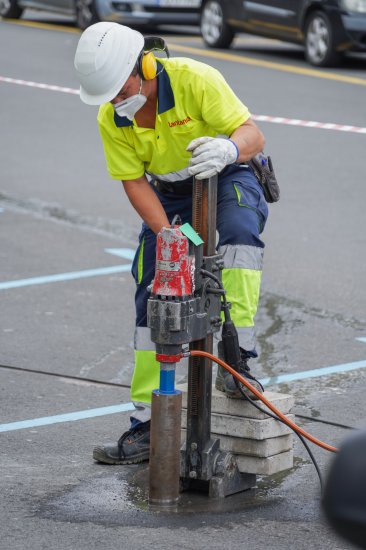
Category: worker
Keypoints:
(163, 122)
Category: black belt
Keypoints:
(182, 188)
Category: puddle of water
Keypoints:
(122, 499)
(193, 502)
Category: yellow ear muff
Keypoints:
(148, 66)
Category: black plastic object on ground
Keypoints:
(344, 498)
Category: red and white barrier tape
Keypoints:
(310, 124)
(49, 87)
(258, 118)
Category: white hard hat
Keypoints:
(105, 57)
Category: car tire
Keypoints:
(215, 32)
(86, 13)
(320, 46)
(9, 9)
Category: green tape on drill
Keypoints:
(191, 234)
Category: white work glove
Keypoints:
(210, 155)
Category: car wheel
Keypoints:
(216, 33)
(86, 13)
(10, 9)
(320, 47)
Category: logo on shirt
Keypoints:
(179, 122)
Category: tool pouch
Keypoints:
(263, 170)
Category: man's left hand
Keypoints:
(210, 156)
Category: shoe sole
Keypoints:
(220, 386)
(233, 395)
(100, 456)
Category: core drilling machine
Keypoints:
(184, 309)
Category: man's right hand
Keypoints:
(210, 156)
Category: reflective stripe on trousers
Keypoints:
(241, 279)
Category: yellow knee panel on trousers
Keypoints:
(242, 290)
(146, 376)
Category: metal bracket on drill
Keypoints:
(227, 479)
(213, 471)
(200, 464)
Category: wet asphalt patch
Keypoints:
(122, 500)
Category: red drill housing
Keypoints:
(174, 270)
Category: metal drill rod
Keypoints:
(199, 369)
(165, 440)
(166, 412)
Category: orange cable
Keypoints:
(260, 396)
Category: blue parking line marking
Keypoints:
(123, 407)
(68, 417)
(325, 371)
(362, 339)
(126, 253)
(73, 275)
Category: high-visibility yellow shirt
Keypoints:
(194, 100)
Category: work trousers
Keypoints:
(241, 216)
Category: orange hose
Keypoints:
(265, 401)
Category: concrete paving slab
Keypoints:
(266, 466)
(255, 448)
(248, 428)
(252, 447)
(238, 407)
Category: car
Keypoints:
(326, 28)
(135, 13)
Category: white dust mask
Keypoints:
(129, 107)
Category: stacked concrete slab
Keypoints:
(260, 444)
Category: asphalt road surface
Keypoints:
(67, 313)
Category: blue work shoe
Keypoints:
(225, 382)
(132, 447)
